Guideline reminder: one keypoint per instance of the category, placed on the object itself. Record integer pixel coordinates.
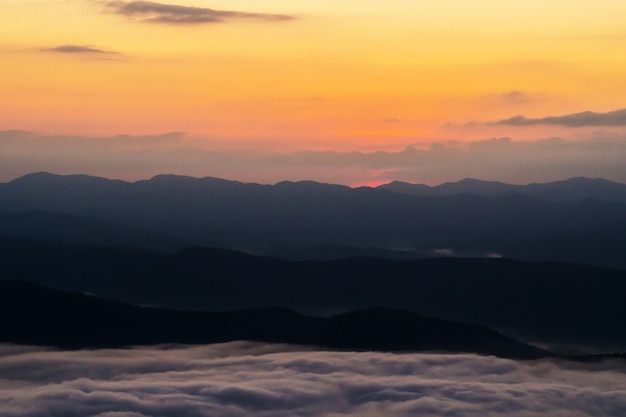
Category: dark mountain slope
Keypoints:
(573, 189)
(261, 218)
(80, 229)
(36, 315)
(549, 301)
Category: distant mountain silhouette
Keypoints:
(573, 189)
(264, 219)
(80, 229)
(31, 314)
(544, 302)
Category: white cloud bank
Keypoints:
(245, 379)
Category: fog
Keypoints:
(241, 378)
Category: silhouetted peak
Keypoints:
(38, 178)
(308, 185)
(297, 183)
(165, 178)
(404, 186)
(587, 181)
(473, 185)
(44, 178)
(173, 180)
(475, 181)
(34, 176)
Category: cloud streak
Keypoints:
(582, 119)
(152, 12)
(78, 49)
(512, 97)
(275, 380)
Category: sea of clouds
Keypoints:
(250, 379)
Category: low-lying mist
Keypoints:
(251, 379)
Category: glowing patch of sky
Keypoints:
(351, 74)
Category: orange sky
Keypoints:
(309, 75)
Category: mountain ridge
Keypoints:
(579, 180)
(264, 218)
(571, 189)
(547, 302)
(42, 316)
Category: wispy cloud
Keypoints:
(79, 49)
(583, 119)
(513, 97)
(151, 12)
(258, 380)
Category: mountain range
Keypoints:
(570, 190)
(31, 314)
(546, 302)
(543, 263)
(579, 220)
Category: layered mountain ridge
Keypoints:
(546, 302)
(579, 220)
(36, 315)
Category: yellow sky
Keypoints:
(341, 74)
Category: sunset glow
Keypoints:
(310, 75)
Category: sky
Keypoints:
(243, 81)
(256, 380)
